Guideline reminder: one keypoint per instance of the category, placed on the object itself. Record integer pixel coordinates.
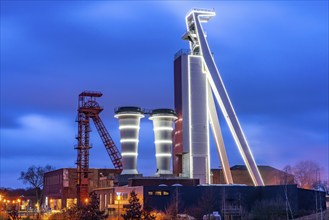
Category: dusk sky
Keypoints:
(272, 56)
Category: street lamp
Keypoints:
(3, 203)
(7, 204)
(118, 200)
(28, 205)
(19, 205)
(51, 206)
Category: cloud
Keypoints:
(37, 136)
(37, 140)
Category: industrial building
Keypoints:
(60, 186)
(191, 141)
(198, 88)
(232, 201)
(196, 80)
(181, 138)
(165, 192)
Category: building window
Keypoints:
(125, 196)
(158, 193)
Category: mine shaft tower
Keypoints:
(88, 108)
(198, 87)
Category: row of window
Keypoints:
(158, 193)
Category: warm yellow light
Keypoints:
(18, 200)
(86, 200)
(14, 201)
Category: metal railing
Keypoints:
(201, 9)
(182, 52)
(185, 52)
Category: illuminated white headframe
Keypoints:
(199, 46)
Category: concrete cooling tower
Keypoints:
(163, 127)
(129, 125)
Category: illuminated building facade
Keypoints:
(163, 127)
(129, 125)
(197, 86)
(191, 148)
(59, 190)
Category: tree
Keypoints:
(34, 177)
(91, 210)
(207, 204)
(306, 172)
(287, 172)
(88, 211)
(147, 214)
(172, 208)
(133, 211)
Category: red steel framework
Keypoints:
(90, 109)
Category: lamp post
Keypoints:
(51, 206)
(19, 206)
(28, 205)
(118, 201)
(1, 197)
(2, 204)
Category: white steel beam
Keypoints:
(215, 128)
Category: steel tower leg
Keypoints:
(215, 128)
(83, 158)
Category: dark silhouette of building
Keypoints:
(235, 201)
(240, 175)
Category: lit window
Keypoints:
(150, 193)
(158, 193)
(165, 193)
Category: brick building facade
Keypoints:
(60, 185)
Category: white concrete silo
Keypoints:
(129, 125)
(163, 127)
